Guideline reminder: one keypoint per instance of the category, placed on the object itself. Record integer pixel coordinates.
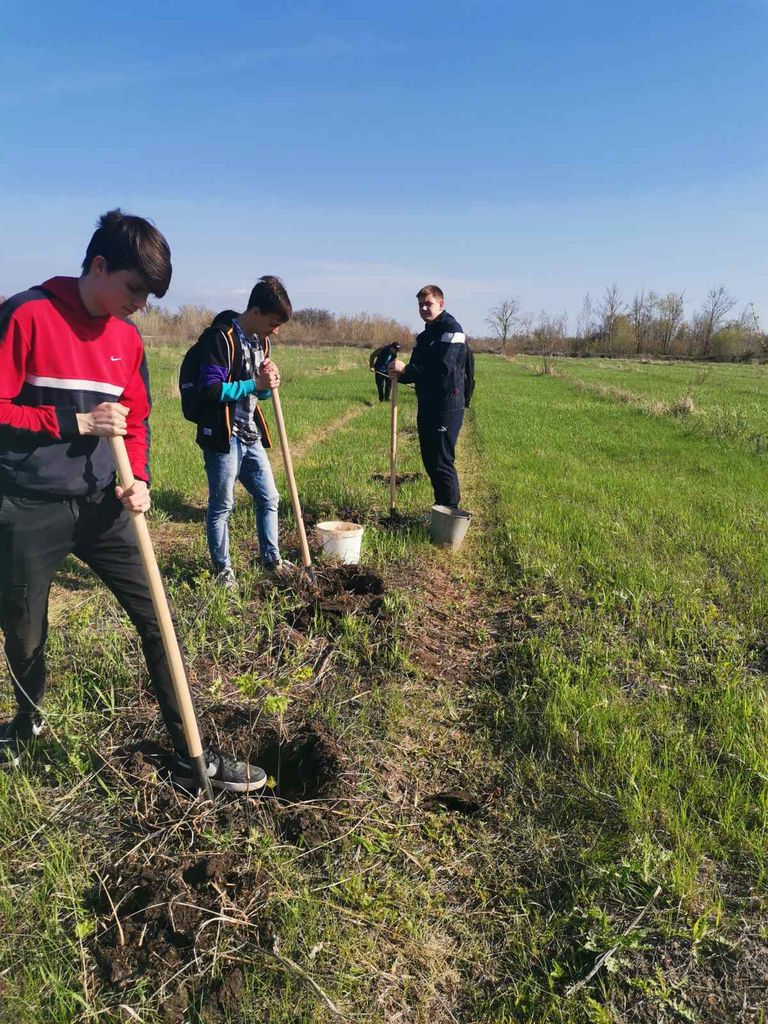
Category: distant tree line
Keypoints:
(649, 324)
(160, 326)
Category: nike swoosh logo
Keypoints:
(116, 359)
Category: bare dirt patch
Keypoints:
(171, 922)
(341, 590)
(181, 921)
(400, 478)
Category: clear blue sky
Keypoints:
(539, 150)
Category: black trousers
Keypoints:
(383, 386)
(35, 537)
(438, 433)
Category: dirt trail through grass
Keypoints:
(324, 432)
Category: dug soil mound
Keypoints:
(341, 590)
(400, 478)
(303, 766)
(179, 921)
(169, 923)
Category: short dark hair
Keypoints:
(131, 243)
(269, 296)
(430, 289)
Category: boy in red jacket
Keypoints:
(72, 374)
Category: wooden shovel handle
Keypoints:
(393, 450)
(163, 613)
(305, 556)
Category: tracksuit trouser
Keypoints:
(438, 433)
(383, 386)
(36, 535)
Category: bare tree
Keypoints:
(641, 318)
(716, 307)
(749, 321)
(525, 329)
(611, 307)
(550, 332)
(669, 310)
(585, 321)
(502, 320)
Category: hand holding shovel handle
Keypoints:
(305, 556)
(167, 632)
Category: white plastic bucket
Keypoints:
(340, 540)
(448, 526)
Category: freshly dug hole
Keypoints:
(304, 768)
(341, 590)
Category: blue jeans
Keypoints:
(249, 464)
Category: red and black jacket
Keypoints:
(56, 360)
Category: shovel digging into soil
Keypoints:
(168, 633)
(305, 556)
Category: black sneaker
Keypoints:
(18, 734)
(225, 772)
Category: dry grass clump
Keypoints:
(684, 406)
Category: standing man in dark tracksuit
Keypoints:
(438, 369)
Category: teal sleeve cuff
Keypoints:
(233, 390)
(264, 395)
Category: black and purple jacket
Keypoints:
(221, 364)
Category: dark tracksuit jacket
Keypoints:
(437, 367)
(56, 486)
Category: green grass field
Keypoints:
(543, 787)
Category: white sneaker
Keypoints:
(226, 579)
(18, 734)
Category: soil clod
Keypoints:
(400, 478)
(164, 923)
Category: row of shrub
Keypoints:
(160, 326)
(734, 340)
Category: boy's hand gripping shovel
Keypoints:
(167, 632)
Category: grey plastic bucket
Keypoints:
(448, 526)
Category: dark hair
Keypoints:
(269, 296)
(430, 289)
(224, 318)
(131, 243)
